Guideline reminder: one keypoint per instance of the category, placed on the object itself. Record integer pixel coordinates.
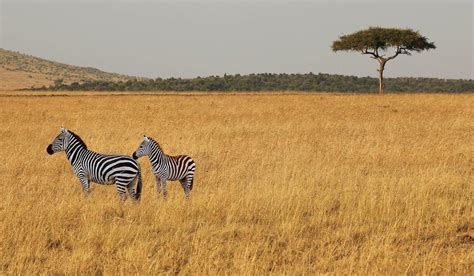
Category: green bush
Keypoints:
(274, 82)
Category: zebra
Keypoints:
(90, 166)
(167, 167)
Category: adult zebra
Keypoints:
(120, 170)
(166, 167)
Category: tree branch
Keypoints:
(404, 51)
(367, 52)
(400, 51)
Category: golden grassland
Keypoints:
(285, 183)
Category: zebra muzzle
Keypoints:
(49, 149)
(134, 156)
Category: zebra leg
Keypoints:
(131, 190)
(186, 184)
(164, 188)
(121, 190)
(85, 185)
(158, 184)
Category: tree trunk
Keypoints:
(381, 68)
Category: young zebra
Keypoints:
(120, 170)
(167, 167)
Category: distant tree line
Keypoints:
(273, 82)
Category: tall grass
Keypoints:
(292, 183)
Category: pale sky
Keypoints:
(200, 38)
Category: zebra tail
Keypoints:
(193, 169)
(138, 188)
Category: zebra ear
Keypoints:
(62, 129)
(145, 138)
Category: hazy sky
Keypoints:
(200, 38)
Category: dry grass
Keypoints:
(13, 80)
(299, 183)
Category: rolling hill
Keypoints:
(21, 71)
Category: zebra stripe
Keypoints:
(166, 167)
(90, 166)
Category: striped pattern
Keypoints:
(167, 167)
(90, 166)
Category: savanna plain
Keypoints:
(289, 183)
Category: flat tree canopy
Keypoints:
(375, 39)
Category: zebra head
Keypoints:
(143, 149)
(59, 143)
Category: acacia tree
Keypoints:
(376, 42)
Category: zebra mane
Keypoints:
(154, 141)
(78, 139)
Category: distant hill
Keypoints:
(21, 71)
